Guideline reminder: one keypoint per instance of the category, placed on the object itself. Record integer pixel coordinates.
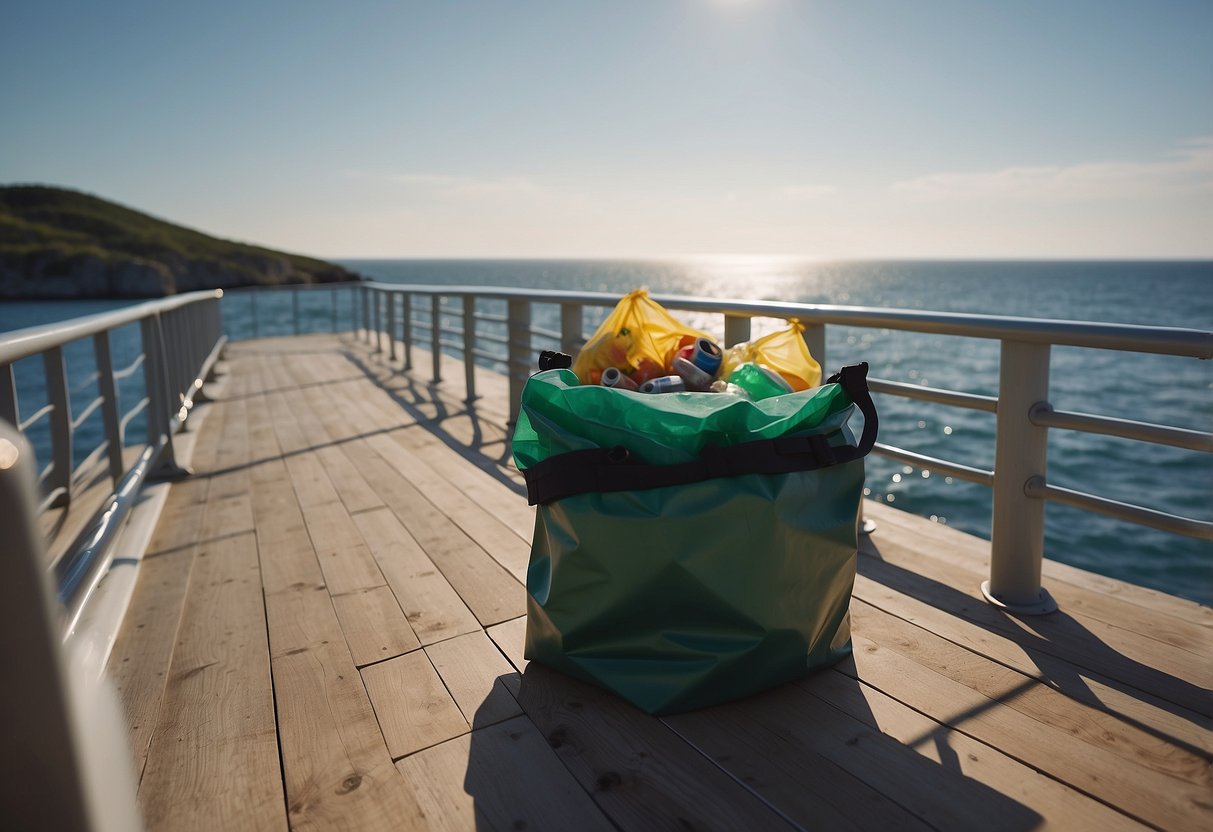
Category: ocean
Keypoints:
(1161, 389)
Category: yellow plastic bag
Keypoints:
(785, 352)
(639, 337)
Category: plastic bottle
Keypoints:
(665, 384)
(612, 377)
(695, 378)
(760, 382)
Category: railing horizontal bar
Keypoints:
(941, 466)
(129, 368)
(132, 413)
(41, 414)
(88, 380)
(455, 345)
(23, 343)
(1122, 337)
(46, 472)
(496, 339)
(51, 497)
(545, 333)
(971, 401)
(1174, 523)
(87, 463)
(1193, 440)
(88, 411)
(298, 287)
(489, 356)
(78, 572)
(492, 318)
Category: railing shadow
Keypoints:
(429, 406)
(1063, 650)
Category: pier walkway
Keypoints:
(327, 633)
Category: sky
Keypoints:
(629, 128)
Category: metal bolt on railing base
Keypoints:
(1043, 605)
(866, 526)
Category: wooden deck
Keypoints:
(327, 633)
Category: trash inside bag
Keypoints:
(784, 351)
(639, 338)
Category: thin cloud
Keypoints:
(1189, 169)
(808, 192)
(450, 186)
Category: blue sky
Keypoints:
(629, 128)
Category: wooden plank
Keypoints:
(345, 558)
(797, 777)
(638, 771)
(474, 671)
(1077, 723)
(510, 638)
(968, 779)
(374, 625)
(227, 516)
(1024, 655)
(213, 761)
(414, 709)
(433, 608)
(1089, 768)
(501, 777)
(138, 664)
(932, 541)
(337, 768)
(499, 540)
(488, 489)
(491, 592)
(1150, 666)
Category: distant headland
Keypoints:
(62, 244)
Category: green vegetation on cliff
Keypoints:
(57, 243)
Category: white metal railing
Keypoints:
(1024, 414)
(180, 339)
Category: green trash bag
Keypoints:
(691, 548)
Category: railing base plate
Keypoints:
(169, 473)
(1043, 605)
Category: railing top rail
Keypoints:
(22, 343)
(1192, 343)
(297, 287)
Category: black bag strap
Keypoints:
(614, 469)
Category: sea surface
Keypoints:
(1161, 389)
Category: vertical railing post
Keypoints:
(571, 338)
(109, 402)
(815, 339)
(253, 301)
(518, 328)
(469, 346)
(8, 395)
(295, 308)
(159, 404)
(436, 335)
(377, 322)
(406, 328)
(1020, 454)
(736, 329)
(61, 425)
(366, 314)
(390, 299)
